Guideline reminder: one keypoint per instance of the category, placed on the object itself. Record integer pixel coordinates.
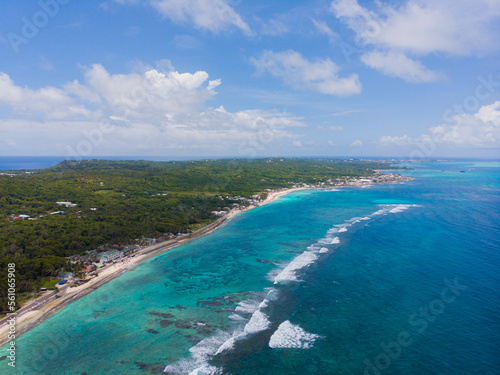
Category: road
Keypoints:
(50, 296)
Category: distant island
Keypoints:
(71, 220)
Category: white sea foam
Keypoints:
(197, 363)
(323, 250)
(289, 273)
(258, 322)
(272, 294)
(400, 208)
(247, 307)
(336, 240)
(325, 241)
(264, 304)
(236, 317)
(227, 345)
(342, 230)
(365, 218)
(379, 212)
(333, 231)
(273, 273)
(290, 335)
(354, 220)
(204, 370)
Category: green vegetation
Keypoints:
(49, 284)
(120, 202)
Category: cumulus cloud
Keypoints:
(149, 110)
(54, 103)
(479, 130)
(212, 15)
(149, 94)
(419, 28)
(296, 71)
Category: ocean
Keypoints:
(387, 279)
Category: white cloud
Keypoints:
(54, 103)
(331, 143)
(324, 29)
(298, 72)
(387, 140)
(150, 111)
(148, 95)
(479, 130)
(397, 64)
(297, 144)
(212, 15)
(357, 143)
(336, 128)
(425, 26)
(420, 28)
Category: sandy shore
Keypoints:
(37, 315)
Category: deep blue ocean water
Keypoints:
(388, 279)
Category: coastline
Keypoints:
(36, 316)
(33, 317)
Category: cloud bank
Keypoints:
(147, 111)
(392, 38)
(479, 130)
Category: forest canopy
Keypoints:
(119, 202)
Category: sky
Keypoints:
(239, 78)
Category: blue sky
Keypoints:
(200, 78)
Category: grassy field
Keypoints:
(49, 284)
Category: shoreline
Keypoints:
(30, 319)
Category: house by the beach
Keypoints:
(86, 270)
(66, 276)
(110, 256)
(130, 249)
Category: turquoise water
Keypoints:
(390, 279)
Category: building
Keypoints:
(86, 269)
(110, 256)
(66, 276)
(67, 204)
(130, 249)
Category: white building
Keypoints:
(67, 204)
